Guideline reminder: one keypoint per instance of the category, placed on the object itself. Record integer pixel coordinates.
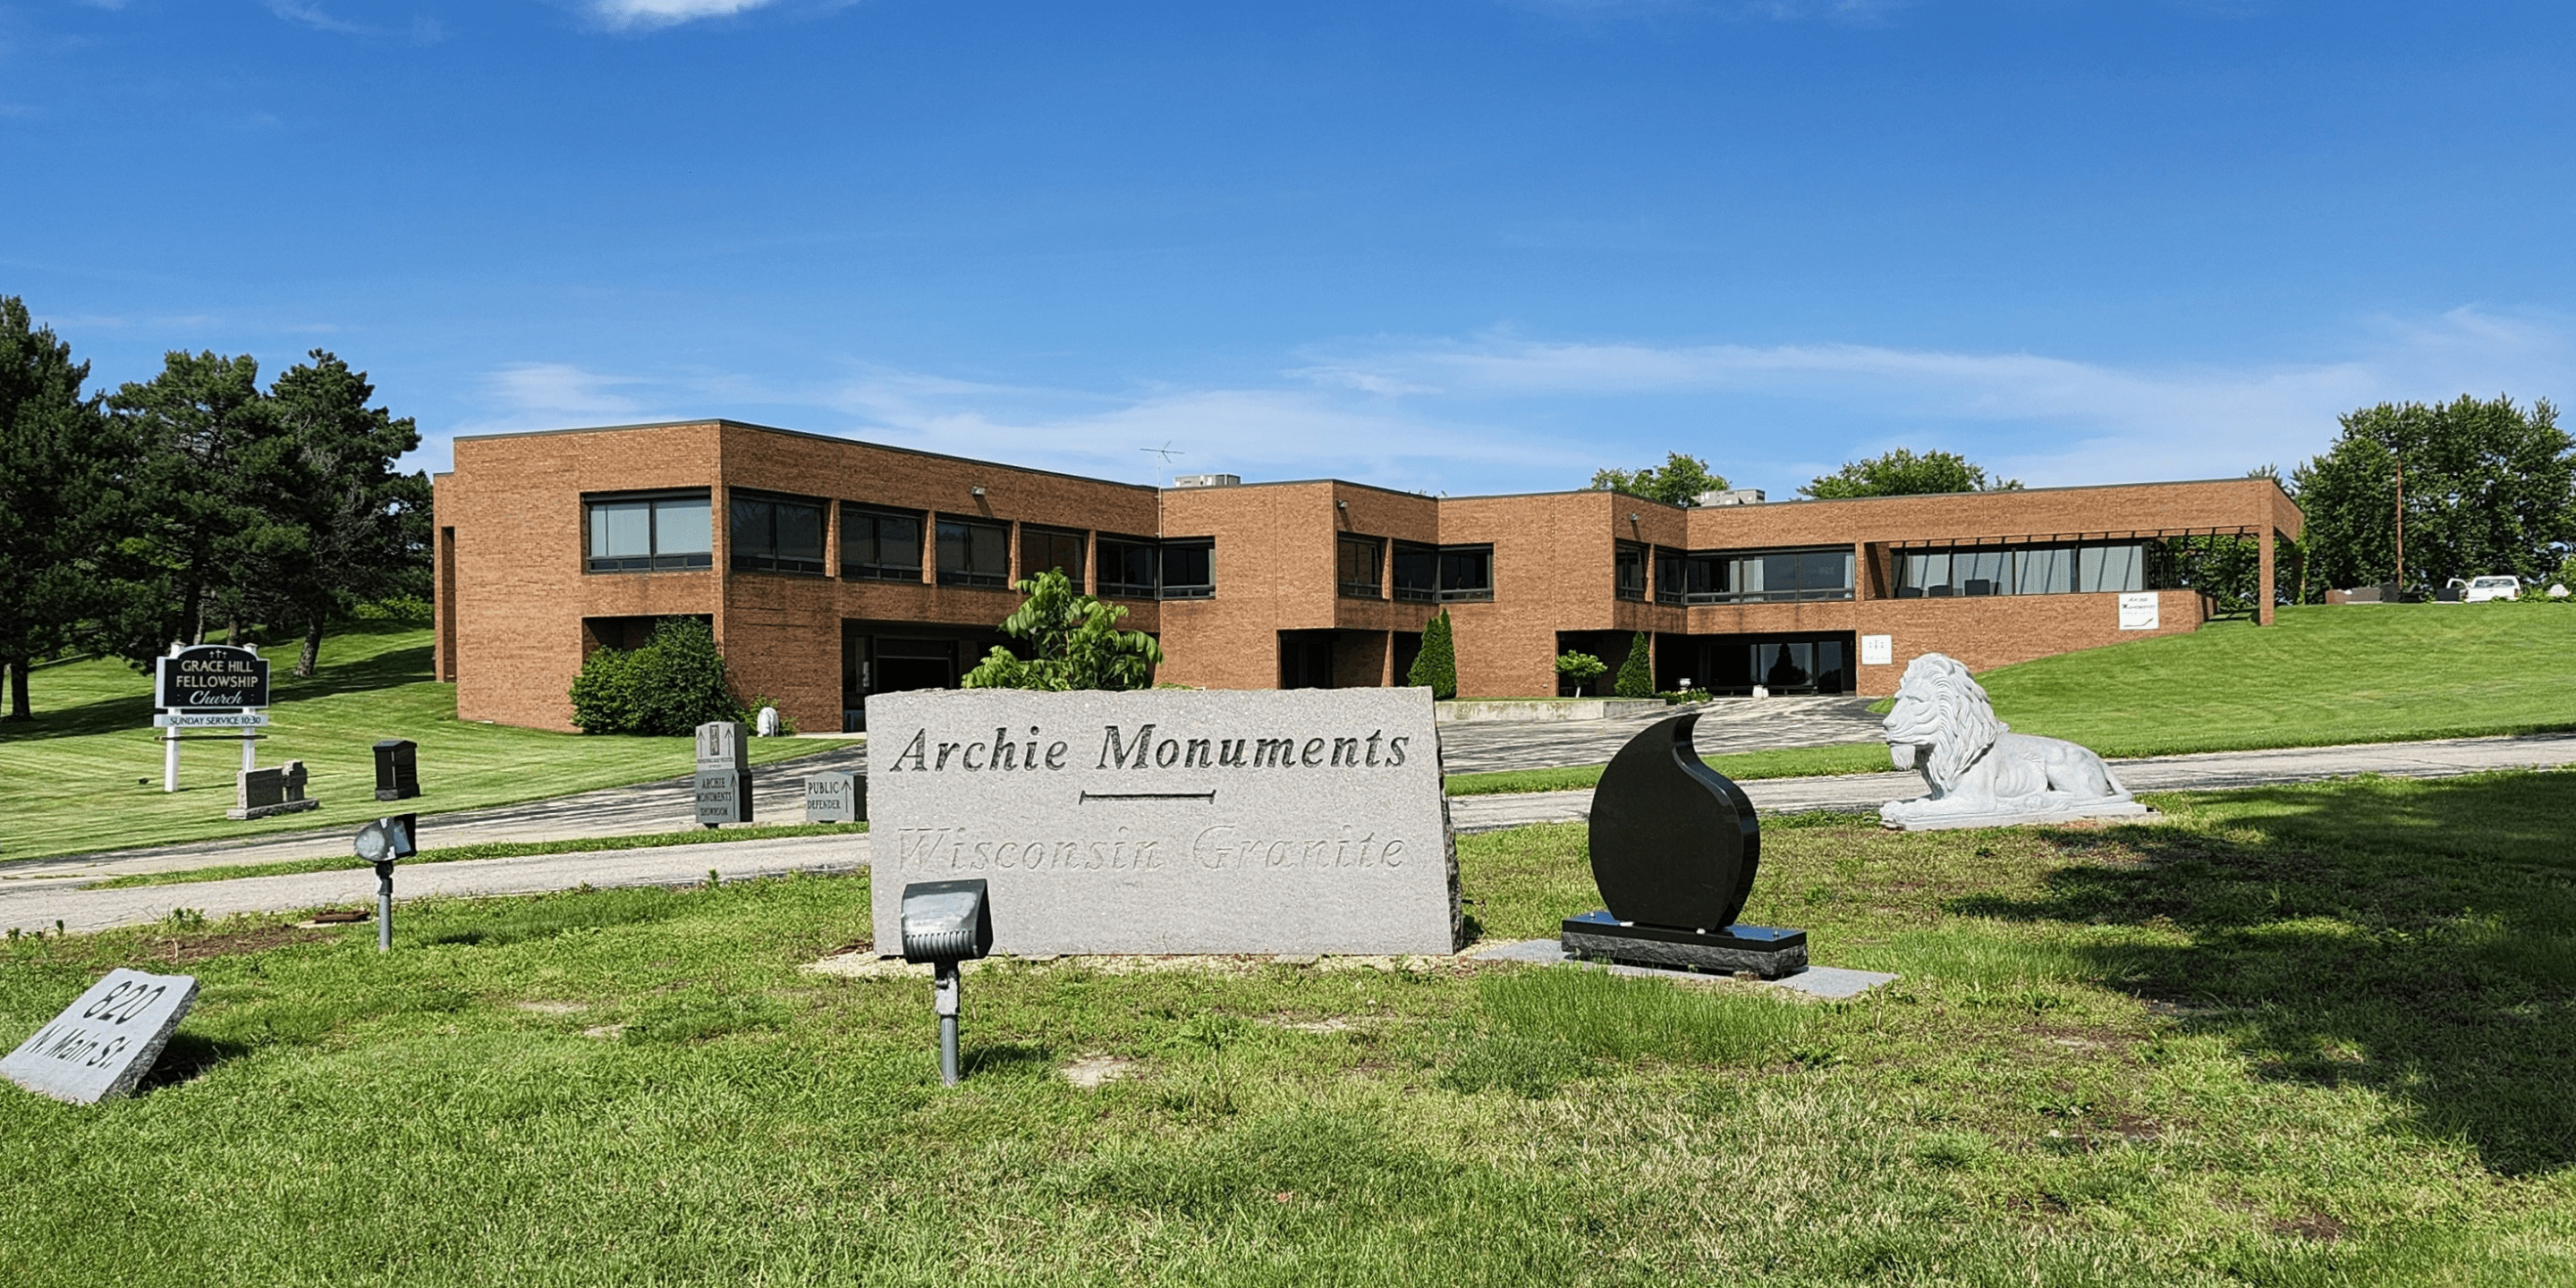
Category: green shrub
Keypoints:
(1580, 669)
(1072, 641)
(1437, 665)
(1637, 674)
(673, 684)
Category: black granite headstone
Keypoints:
(397, 769)
(1675, 845)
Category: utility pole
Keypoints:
(2401, 529)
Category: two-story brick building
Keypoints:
(832, 569)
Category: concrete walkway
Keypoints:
(36, 902)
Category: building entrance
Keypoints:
(1734, 664)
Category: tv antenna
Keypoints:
(1165, 451)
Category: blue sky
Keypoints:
(1453, 246)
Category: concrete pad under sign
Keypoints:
(1170, 821)
(1828, 982)
(106, 1040)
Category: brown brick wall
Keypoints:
(513, 595)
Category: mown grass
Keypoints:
(2300, 1035)
(484, 850)
(2320, 677)
(86, 773)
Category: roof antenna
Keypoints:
(1165, 451)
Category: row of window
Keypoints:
(1728, 577)
(2056, 569)
(785, 534)
(1419, 573)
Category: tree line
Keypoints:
(193, 504)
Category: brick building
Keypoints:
(831, 569)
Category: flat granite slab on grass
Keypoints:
(1815, 981)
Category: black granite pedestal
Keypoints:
(1767, 951)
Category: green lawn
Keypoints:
(2321, 676)
(2311, 1035)
(86, 774)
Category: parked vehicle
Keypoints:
(2482, 589)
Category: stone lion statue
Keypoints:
(1980, 773)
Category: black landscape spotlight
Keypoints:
(944, 923)
(380, 843)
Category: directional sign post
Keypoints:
(208, 686)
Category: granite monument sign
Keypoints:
(723, 780)
(1169, 821)
(106, 1040)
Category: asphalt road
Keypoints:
(38, 903)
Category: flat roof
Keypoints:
(725, 423)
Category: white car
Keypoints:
(2482, 589)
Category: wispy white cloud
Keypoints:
(420, 31)
(1507, 413)
(632, 14)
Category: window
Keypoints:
(1628, 571)
(1721, 577)
(1417, 572)
(1042, 549)
(974, 554)
(1143, 568)
(880, 544)
(775, 533)
(1189, 569)
(644, 533)
(1672, 576)
(1466, 572)
(2054, 569)
(1358, 566)
(1130, 567)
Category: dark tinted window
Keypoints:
(1358, 566)
(775, 534)
(1189, 569)
(880, 544)
(1672, 576)
(1417, 572)
(1628, 565)
(1042, 549)
(974, 554)
(643, 533)
(1466, 572)
(1130, 569)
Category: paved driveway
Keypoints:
(36, 904)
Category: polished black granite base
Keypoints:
(1767, 951)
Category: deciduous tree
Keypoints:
(1072, 641)
(1902, 473)
(2490, 487)
(1678, 481)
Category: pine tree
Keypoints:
(1637, 674)
(350, 529)
(61, 480)
(1436, 667)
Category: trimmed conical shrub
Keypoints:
(1637, 674)
(1437, 665)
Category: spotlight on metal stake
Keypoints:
(944, 923)
(380, 843)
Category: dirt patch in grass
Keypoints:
(171, 951)
(2316, 1226)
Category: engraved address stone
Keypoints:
(106, 1040)
(1169, 820)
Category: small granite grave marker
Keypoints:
(106, 1040)
(1674, 848)
(259, 793)
(835, 798)
(723, 779)
(397, 769)
(1169, 820)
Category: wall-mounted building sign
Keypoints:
(1877, 650)
(211, 677)
(2138, 612)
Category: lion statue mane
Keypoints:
(1980, 772)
